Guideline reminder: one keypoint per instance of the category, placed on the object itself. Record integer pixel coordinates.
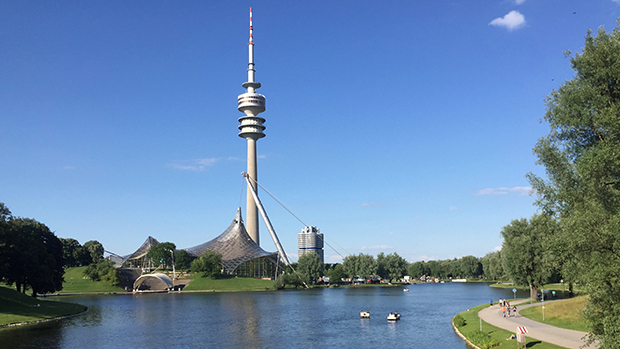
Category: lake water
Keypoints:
(273, 319)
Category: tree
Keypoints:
(492, 265)
(103, 271)
(395, 266)
(162, 254)
(182, 259)
(523, 251)
(470, 266)
(336, 273)
(417, 269)
(71, 251)
(33, 257)
(582, 189)
(208, 264)
(311, 266)
(95, 249)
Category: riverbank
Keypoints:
(485, 327)
(20, 309)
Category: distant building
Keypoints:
(310, 240)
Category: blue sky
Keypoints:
(396, 126)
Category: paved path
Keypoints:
(546, 333)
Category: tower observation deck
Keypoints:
(251, 128)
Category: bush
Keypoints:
(103, 271)
(482, 339)
(459, 321)
(288, 280)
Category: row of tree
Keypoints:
(576, 236)
(31, 256)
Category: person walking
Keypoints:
(504, 310)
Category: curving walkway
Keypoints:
(546, 333)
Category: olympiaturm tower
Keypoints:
(251, 128)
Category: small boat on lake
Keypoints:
(364, 314)
(393, 317)
(405, 290)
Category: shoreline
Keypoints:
(56, 318)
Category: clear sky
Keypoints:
(393, 126)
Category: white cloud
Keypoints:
(369, 204)
(519, 2)
(68, 168)
(618, 1)
(376, 247)
(497, 248)
(453, 208)
(504, 190)
(196, 165)
(513, 20)
(262, 156)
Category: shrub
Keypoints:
(459, 321)
(482, 339)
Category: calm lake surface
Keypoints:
(271, 319)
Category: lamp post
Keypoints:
(174, 273)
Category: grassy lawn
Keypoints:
(75, 283)
(565, 313)
(493, 334)
(228, 284)
(16, 307)
(552, 287)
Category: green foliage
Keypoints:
(292, 280)
(76, 282)
(492, 265)
(395, 266)
(470, 266)
(459, 321)
(182, 260)
(162, 252)
(523, 251)
(103, 271)
(310, 266)
(208, 264)
(482, 339)
(336, 273)
(582, 189)
(95, 249)
(362, 265)
(417, 269)
(31, 256)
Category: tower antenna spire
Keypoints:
(251, 128)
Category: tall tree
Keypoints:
(492, 265)
(582, 189)
(162, 253)
(470, 266)
(311, 266)
(395, 266)
(523, 251)
(95, 249)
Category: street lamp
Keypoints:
(174, 273)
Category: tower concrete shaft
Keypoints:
(251, 128)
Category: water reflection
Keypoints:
(275, 319)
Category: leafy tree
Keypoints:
(381, 265)
(395, 266)
(434, 268)
(310, 265)
(349, 265)
(209, 264)
(417, 269)
(103, 271)
(492, 265)
(71, 252)
(336, 273)
(289, 279)
(523, 251)
(470, 266)
(162, 254)
(95, 249)
(182, 259)
(582, 189)
(32, 256)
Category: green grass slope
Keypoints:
(491, 334)
(566, 313)
(75, 283)
(16, 307)
(228, 284)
